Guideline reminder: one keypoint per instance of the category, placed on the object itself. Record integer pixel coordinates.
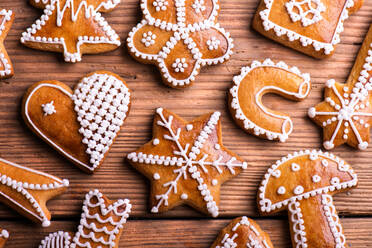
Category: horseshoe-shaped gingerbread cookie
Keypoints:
(257, 80)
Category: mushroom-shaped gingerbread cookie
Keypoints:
(303, 183)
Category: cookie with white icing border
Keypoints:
(252, 84)
(81, 124)
(346, 113)
(186, 162)
(312, 27)
(179, 37)
(27, 191)
(303, 183)
(242, 232)
(4, 235)
(6, 21)
(72, 27)
(101, 224)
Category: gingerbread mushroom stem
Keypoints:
(303, 184)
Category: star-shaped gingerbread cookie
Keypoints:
(186, 162)
(345, 115)
(6, 21)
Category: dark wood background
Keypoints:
(181, 227)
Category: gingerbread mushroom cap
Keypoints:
(303, 175)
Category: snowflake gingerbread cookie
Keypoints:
(72, 27)
(245, 97)
(346, 113)
(101, 224)
(81, 124)
(27, 191)
(186, 162)
(303, 183)
(242, 232)
(312, 27)
(6, 21)
(179, 37)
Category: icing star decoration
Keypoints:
(6, 21)
(179, 37)
(186, 162)
(346, 113)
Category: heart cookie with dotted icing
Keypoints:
(6, 21)
(303, 183)
(81, 124)
(242, 232)
(179, 37)
(312, 27)
(186, 162)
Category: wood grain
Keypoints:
(117, 179)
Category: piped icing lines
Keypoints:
(257, 80)
(85, 121)
(184, 164)
(101, 224)
(345, 115)
(6, 21)
(180, 37)
(242, 232)
(303, 184)
(73, 27)
(306, 11)
(27, 190)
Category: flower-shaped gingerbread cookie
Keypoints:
(72, 27)
(180, 36)
(303, 184)
(346, 113)
(81, 124)
(6, 21)
(186, 162)
(101, 224)
(242, 232)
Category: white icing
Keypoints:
(148, 39)
(304, 40)
(335, 181)
(4, 234)
(156, 176)
(248, 122)
(295, 167)
(155, 142)
(316, 179)
(298, 190)
(24, 187)
(213, 43)
(324, 162)
(160, 5)
(281, 190)
(214, 182)
(305, 12)
(90, 11)
(56, 240)
(180, 33)
(5, 67)
(217, 146)
(184, 196)
(298, 227)
(189, 127)
(198, 6)
(49, 108)
(187, 164)
(180, 65)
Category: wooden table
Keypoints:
(181, 227)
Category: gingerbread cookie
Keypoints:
(180, 37)
(186, 162)
(245, 95)
(345, 115)
(81, 124)
(242, 232)
(101, 224)
(303, 183)
(6, 21)
(312, 27)
(72, 27)
(4, 235)
(27, 191)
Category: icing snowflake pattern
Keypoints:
(213, 43)
(179, 65)
(189, 163)
(49, 108)
(148, 39)
(305, 11)
(5, 66)
(184, 29)
(160, 5)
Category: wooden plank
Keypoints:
(182, 233)
(116, 178)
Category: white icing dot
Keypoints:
(48, 108)
(335, 180)
(316, 179)
(189, 127)
(213, 43)
(325, 162)
(281, 190)
(214, 182)
(179, 65)
(156, 176)
(155, 142)
(217, 146)
(295, 167)
(160, 5)
(298, 190)
(277, 173)
(184, 196)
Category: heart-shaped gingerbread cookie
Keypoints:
(81, 124)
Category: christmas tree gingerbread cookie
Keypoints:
(312, 27)
(101, 224)
(245, 97)
(303, 183)
(6, 21)
(72, 27)
(186, 162)
(242, 232)
(179, 37)
(27, 191)
(81, 124)
(346, 113)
